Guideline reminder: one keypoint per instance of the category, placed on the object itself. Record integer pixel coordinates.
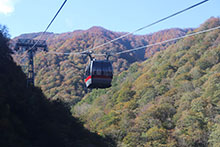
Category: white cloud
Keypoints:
(7, 6)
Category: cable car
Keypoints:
(99, 73)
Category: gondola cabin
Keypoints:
(99, 74)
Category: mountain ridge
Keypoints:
(102, 32)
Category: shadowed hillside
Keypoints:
(28, 118)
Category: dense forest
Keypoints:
(29, 119)
(170, 100)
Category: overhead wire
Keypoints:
(147, 46)
(142, 28)
(169, 40)
(120, 37)
(113, 40)
(48, 26)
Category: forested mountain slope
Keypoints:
(61, 76)
(172, 99)
(28, 118)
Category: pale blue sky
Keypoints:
(27, 16)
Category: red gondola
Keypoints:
(99, 73)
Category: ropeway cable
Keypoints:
(146, 46)
(158, 21)
(48, 25)
(169, 40)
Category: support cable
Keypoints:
(169, 40)
(142, 28)
(146, 46)
(48, 25)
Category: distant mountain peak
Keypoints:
(97, 28)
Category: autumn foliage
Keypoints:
(171, 99)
